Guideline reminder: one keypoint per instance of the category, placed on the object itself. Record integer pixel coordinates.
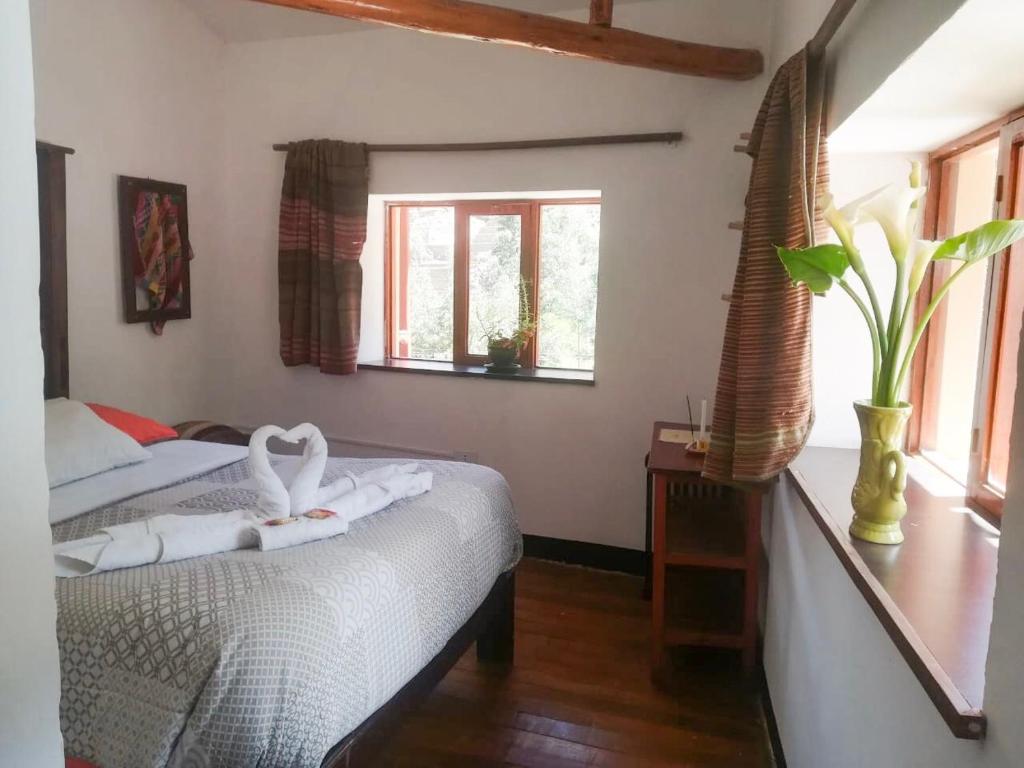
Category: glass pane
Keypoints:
(568, 285)
(495, 247)
(971, 205)
(423, 282)
(1008, 341)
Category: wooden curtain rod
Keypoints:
(670, 137)
(830, 26)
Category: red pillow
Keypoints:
(74, 762)
(145, 431)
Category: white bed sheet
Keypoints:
(172, 462)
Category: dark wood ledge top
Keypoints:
(932, 593)
(548, 375)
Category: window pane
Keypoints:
(423, 280)
(568, 285)
(495, 247)
(955, 378)
(1008, 341)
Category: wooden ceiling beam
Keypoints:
(601, 12)
(465, 19)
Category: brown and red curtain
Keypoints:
(321, 236)
(764, 405)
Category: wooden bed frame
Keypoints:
(491, 627)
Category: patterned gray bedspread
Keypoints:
(249, 659)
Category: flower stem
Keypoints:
(905, 320)
(922, 324)
(892, 352)
(875, 348)
(876, 309)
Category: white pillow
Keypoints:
(79, 443)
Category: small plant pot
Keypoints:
(502, 355)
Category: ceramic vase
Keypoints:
(878, 501)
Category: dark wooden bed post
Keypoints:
(53, 267)
(496, 643)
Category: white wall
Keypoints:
(841, 344)
(842, 693)
(1004, 674)
(573, 455)
(135, 87)
(29, 676)
(875, 39)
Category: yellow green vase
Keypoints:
(878, 502)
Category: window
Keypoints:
(457, 271)
(964, 382)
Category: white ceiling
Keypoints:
(241, 21)
(970, 72)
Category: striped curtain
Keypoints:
(321, 234)
(764, 404)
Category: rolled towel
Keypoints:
(368, 498)
(349, 482)
(372, 497)
(160, 539)
(299, 530)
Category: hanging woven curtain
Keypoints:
(321, 236)
(763, 405)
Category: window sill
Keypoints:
(932, 593)
(546, 375)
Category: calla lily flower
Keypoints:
(923, 252)
(893, 208)
(843, 227)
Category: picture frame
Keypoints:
(155, 250)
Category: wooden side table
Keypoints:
(706, 541)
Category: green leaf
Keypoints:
(815, 267)
(982, 242)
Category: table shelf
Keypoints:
(706, 532)
(704, 607)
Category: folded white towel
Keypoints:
(349, 482)
(167, 538)
(301, 530)
(369, 497)
(160, 539)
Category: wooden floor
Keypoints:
(580, 692)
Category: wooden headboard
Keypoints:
(53, 268)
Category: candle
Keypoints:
(703, 417)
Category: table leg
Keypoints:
(658, 592)
(753, 502)
(646, 593)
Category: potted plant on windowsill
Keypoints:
(877, 497)
(504, 346)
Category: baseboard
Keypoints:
(600, 556)
(771, 724)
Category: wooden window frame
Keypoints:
(530, 212)
(923, 392)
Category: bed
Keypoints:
(299, 657)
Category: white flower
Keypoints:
(923, 252)
(893, 208)
(843, 227)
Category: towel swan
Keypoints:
(304, 493)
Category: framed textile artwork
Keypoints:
(155, 251)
